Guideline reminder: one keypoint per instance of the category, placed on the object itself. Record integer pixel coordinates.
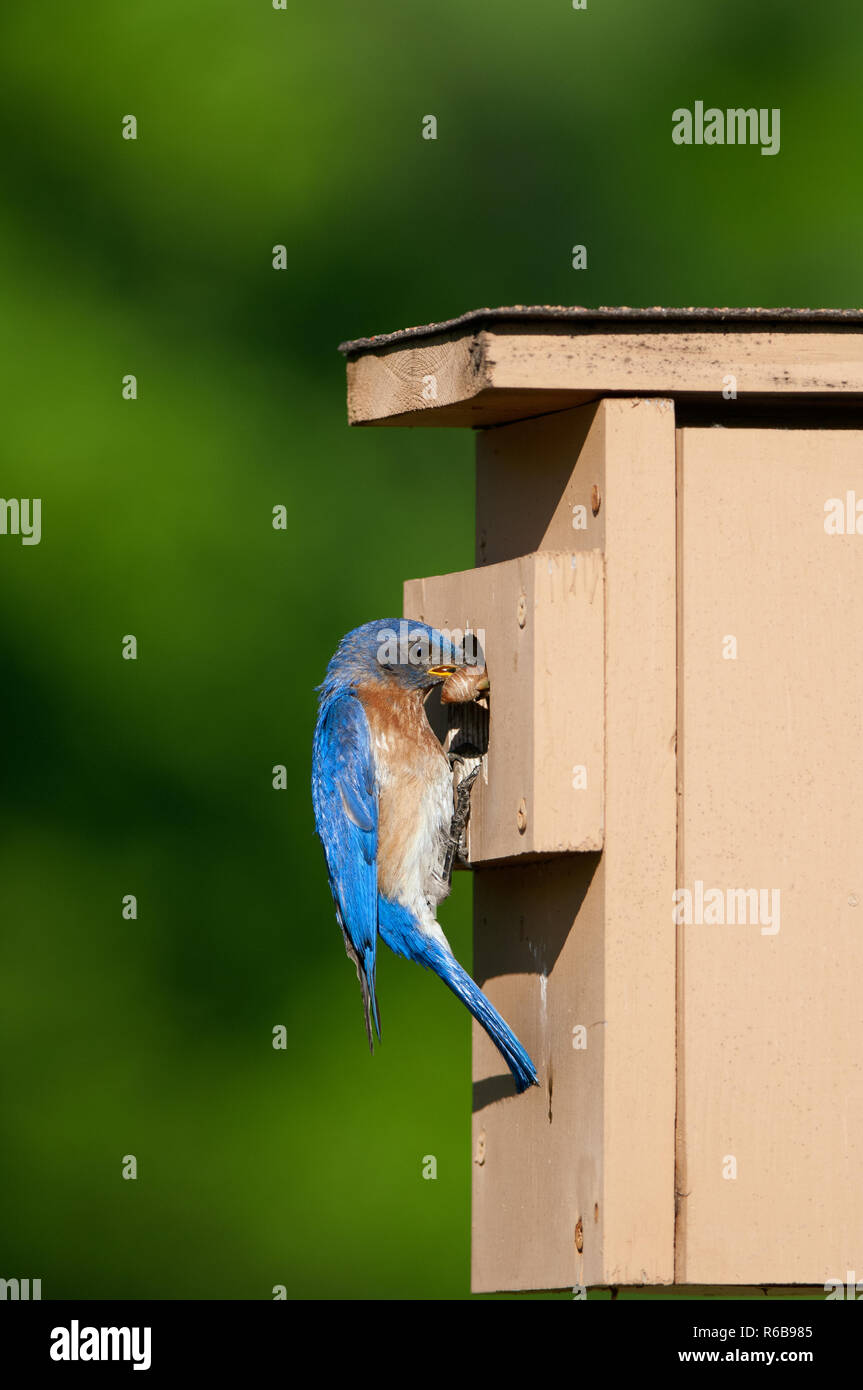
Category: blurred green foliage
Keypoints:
(256, 127)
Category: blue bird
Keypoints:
(383, 799)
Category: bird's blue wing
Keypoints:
(344, 793)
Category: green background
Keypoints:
(256, 126)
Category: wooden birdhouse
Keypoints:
(667, 830)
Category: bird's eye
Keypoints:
(441, 670)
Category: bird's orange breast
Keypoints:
(414, 789)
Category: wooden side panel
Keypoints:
(564, 808)
(639, 861)
(539, 1158)
(540, 621)
(771, 776)
(530, 493)
(574, 1182)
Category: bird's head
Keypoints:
(411, 656)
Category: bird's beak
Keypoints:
(482, 685)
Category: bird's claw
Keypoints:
(455, 848)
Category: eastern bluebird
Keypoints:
(383, 799)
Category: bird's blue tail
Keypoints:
(403, 935)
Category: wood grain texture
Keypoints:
(771, 776)
(500, 374)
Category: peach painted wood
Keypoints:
(771, 782)
(540, 620)
(574, 1182)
